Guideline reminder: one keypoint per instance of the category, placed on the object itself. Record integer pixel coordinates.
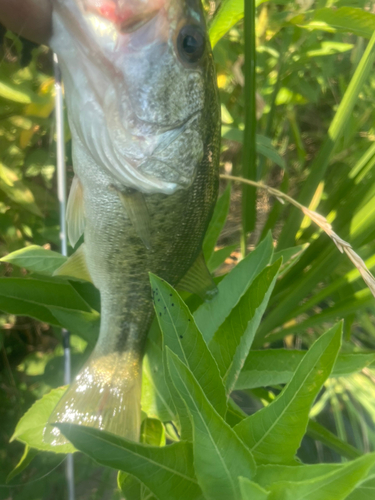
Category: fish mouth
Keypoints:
(126, 15)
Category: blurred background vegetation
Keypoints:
(305, 61)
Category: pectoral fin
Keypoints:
(75, 217)
(75, 266)
(199, 280)
(136, 208)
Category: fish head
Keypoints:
(149, 68)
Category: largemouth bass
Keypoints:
(144, 115)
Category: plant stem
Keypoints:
(249, 150)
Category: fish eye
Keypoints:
(191, 43)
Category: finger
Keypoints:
(30, 18)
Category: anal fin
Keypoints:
(199, 280)
(75, 266)
(75, 217)
(135, 205)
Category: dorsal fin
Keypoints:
(199, 280)
(75, 217)
(75, 266)
(135, 205)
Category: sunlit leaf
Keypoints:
(210, 315)
(219, 455)
(35, 259)
(167, 471)
(344, 19)
(30, 428)
(182, 336)
(17, 191)
(274, 433)
(232, 341)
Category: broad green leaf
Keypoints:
(33, 297)
(28, 456)
(132, 489)
(364, 491)
(337, 484)
(210, 315)
(182, 336)
(252, 491)
(156, 398)
(152, 432)
(229, 13)
(30, 428)
(232, 341)
(216, 224)
(219, 455)
(274, 433)
(36, 259)
(16, 190)
(344, 19)
(276, 366)
(82, 323)
(167, 472)
(288, 253)
(267, 475)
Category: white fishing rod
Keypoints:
(61, 193)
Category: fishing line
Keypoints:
(61, 191)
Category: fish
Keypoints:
(144, 115)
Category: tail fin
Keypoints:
(106, 394)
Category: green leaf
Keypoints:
(229, 13)
(276, 366)
(364, 491)
(15, 93)
(30, 428)
(181, 335)
(28, 456)
(336, 129)
(232, 341)
(216, 224)
(132, 489)
(156, 398)
(219, 455)
(274, 433)
(33, 297)
(210, 315)
(36, 259)
(167, 472)
(252, 491)
(267, 475)
(84, 324)
(16, 190)
(152, 432)
(335, 484)
(344, 19)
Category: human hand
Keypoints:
(31, 19)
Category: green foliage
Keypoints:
(242, 395)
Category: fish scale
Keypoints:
(131, 229)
